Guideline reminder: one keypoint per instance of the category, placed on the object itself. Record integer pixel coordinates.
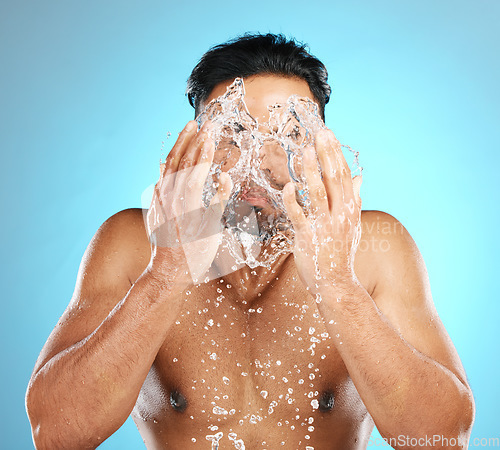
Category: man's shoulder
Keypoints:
(124, 229)
(389, 253)
(376, 222)
(382, 233)
(127, 220)
(385, 249)
(122, 242)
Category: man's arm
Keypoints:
(395, 347)
(396, 350)
(89, 373)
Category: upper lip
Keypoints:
(254, 192)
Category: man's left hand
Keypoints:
(326, 240)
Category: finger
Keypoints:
(168, 195)
(223, 192)
(329, 169)
(317, 191)
(169, 168)
(155, 216)
(164, 189)
(293, 209)
(162, 230)
(193, 150)
(175, 155)
(342, 163)
(344, 176)
(182, 192)
(211, 224)
(197, 177)
(165, 184)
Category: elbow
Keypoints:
(447, 425)
(456, 430)
(42, 433)
(37, 415)
(466, 416)
(48, 436)
(32, 409)
(49, 430)
(42, 440)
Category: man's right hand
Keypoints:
(184, 234)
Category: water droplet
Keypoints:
(219, 410)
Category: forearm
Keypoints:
(406, 392)
(84, 393)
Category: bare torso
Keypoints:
(252, 361)
(247, 361)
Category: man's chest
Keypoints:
(274, 355)
(267, 369)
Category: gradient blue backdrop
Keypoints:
(89, 90)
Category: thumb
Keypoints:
(223, 192)
(211, 223)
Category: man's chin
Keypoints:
(257, 216)
(259, 234)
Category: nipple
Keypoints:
(326, 402)
(178, 401)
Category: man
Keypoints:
(337, 336)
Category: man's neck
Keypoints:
(250, 283)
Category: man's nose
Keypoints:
(273, 161)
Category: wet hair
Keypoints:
(253, 54)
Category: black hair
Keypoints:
(252, 54)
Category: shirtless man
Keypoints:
(251, 359)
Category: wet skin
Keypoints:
(263, 359)
(256, 339)
(263, 354)
(250, 353)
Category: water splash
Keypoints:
(239, 444)
(261, 158)
(215, 438)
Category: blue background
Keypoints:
(89, 90)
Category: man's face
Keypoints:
(261, 92)
(260, 126)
